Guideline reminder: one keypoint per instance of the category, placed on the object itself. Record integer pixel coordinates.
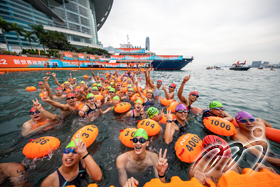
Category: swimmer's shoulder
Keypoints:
(122, 159)
(51, 180)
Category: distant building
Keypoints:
(109, 49)
(264, 64)
(256, 64)
(147, 44)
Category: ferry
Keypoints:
(239, 67)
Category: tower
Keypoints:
(147, 44)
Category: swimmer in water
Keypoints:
(171, 89)
(251, 132)
(91, 106)
(76, 162)
(139, 159)
(193, 96)
(40, 118)
(147, 100)
(156, 88)
(138, 110)
(58, 91)
(42, 86)
(14, 171)
(154, 113)
(217, 109)
(65, 85)
(178, 125)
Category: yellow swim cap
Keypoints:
(83, 82)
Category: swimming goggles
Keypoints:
(195, 95)
(159, 82)
(32, 113)
(70, 98)
(66, 83)
(90, 98)
(182, 111)
(171, 87)
(77, 92)
(111, 92)
(41, 84)
(141, 140)
(245, 120)
(58, 90)
(218, 108)
(69, 150)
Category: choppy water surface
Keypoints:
(255, 91)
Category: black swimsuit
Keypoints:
(182, 129)
(76, 181)
(90, 109)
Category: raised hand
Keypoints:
(81, 147)
(164, 87)
(46, 78)
(187, 78)
(162, 162)
(169, 115)
(98, 103)
(161, 113)
(201, 177)
(81, 113)
(36, 104)
(70, 74)
(53, 74)
(131, 182)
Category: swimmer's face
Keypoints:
(58, 92)
(149, 95)
(36, 116)
(41, 85)
(140, 148)
(156, 117)
(77, 93)
(216, 112)
(116, 101)
(71, 101)
(249, 126)
(95, 92)
(181, 116)
(72, 81)
(192, 98)
(70, 159)
(130, 93)
(138, 106)
(159, 84)
(99, 88)
(67, 85)
(171, 89)
(111, 94)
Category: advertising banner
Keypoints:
(117, 57)
(130, 50)
(92, 58)
(81, 56)
(8, 61)
(68, 55)
(168, 57)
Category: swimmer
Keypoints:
(76, 162)
(70, 106)
(42, 86)
(216, 162)
(91, 106)
(78, 95)
(139, 159)
(179, 124)
(171, 89)
(93, 75)
(156, 88)
(72, 82)
(110, 96)
(251, 132)
(147, 100)
(58, 91)
(83, 86)
(14, 171)
(193, 96)
(138, 110)
(65, 85)
(38, 116)
(155, 114)
(217, 109)
(129, 93)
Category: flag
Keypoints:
(245, 62)
(237, 63)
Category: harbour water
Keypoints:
(255, 91)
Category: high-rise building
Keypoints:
(265, 64)
(256, 64)
(79, 20)
(147, 44)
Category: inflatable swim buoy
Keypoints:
(164, 118)
(85, 76)
(151, 126)
(80, 106)
(189, 148)
(98, 97)
(166, 102)
(272, 134)
(67, 91)
(122, 107)
(133, 98)
(172, 106)
(126, 135)
(40, 147)
(124, 90)
(249, 178)
(48, 73)
(30, 88)
(177, 182)
(219, 126)
(210, 142)
(234, 123)
(88, 134)
(38, 125)
(2, 73)
(140, 88)
(41, 94)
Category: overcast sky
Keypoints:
(213, 31)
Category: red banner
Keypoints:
(68, 54)
(8, 61)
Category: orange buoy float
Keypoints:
(48, 73)
(164, 118)
(172, 106)
(133, 98)
(80, 106)
(166, 102)
(122, 107)
(67, 91)
(98, 97)
(176, 182)
(272, 134)
(41, 94)
(151, 126)
(195, 110)
(251, 178)
(124, 90)
(88, 134)
(140, 88)
(85, 76)
(2, 73)
(219, 126)
(118, 92)
(234, 123)
(189, 148)
(30, 88)
(40, 147)
(126, 135)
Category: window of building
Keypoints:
(85, 21)
(74, 27)
(76, 38)
(86, 30)
(60, 13)
(71, 6)
(87, 40)
(56, 3)
(83, 2)
(73, 17)
(83, 11)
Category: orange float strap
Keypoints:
(40, 147)
(249, 178)
(272, 134)
(177, 182)
(219, 126)
(38, 125)
(88, 134)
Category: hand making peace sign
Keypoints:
(162, 162)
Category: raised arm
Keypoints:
(93, 75)
(140, 93)
(44, 112)
(166, 93)
(55, 79)
(47, 86)
(181, 89)
(120, 162)
(169, 131)
(62, 107)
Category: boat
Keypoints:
(260, 67)
(209, 67)
(239, 67)
(131, 55)
(218, 68)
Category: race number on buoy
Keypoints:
(88, 134)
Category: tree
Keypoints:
(18, 30)
(57, 40)
(39, 32)
(5, 26)
(28, 36)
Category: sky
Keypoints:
(214, 32)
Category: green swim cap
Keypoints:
(129, 85)
(94, 89)
(72, 143)
(152, 111)
(112, 90)
(130, 89)
(90, 95)
(116, 97)
(99, 85)
(109, 87)
(141, 132)
(138, 101)
(215, 104)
